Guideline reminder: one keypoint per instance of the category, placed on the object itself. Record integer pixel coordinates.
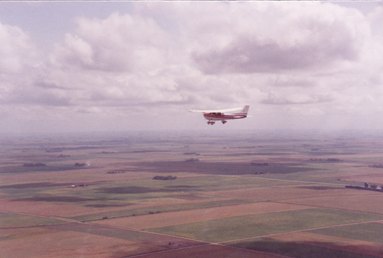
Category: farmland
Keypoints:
(191, 195)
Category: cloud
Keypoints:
(283, 80)
(375, 18)
(312, 42)
(27, 97)
(311, 36)
(18, 63)
(16, 50)
(296, 99)
(158, 60)
(255, 56)
(118, 43)
(123, 60)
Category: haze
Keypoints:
(105, 66)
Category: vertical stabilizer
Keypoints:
(245, 109)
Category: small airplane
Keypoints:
(224, 114)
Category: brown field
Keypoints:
(346, 247)
(284, 193)
(248, 196)
(184, 217)
(211, 251)
(18, 243)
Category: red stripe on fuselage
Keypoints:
(217, 116)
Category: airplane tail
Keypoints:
(245, 109)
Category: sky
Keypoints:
(120, 66)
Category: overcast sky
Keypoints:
(104, 66)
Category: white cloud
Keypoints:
(305, 36)
(16, 49)
(295, 99)
(289, 60)
(119, 43)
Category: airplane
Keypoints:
(224, 114)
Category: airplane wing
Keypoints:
(217, 110)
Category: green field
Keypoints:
(246, 193)
(366, 232)
(158, 209)
(124, 193)
(233, 228)
(10, 220)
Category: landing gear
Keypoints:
(224, 122)
(210, 122)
